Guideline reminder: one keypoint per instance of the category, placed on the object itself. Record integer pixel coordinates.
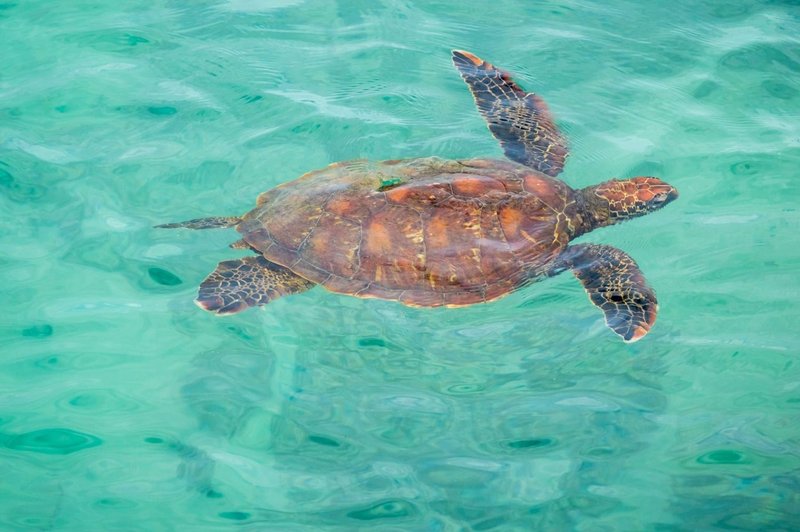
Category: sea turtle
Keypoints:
(435, 232)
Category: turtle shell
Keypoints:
(427, 232)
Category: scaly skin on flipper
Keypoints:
(615, 284)
(247, 282)
(214, 222)
(520, 120)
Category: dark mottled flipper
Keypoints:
(519, 120)
(614, 283)
(247, 282)
(215, 222)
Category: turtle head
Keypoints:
(618, 200)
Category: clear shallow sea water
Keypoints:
(123, 406)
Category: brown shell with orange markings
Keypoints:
(426, 232)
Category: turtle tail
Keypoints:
(214, 222)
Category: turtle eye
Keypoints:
(660, 198)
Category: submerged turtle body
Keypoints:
(433, 232)
(427, 232)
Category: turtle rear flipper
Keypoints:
(214, 222)
(247, 282)
(520, 120)
(615, 284)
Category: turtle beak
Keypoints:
(656, 193)
(662, 197)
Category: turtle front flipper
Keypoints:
(247, 282)
(520, 120)
(615, 284)
(214, 222)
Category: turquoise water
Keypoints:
(124, 406)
